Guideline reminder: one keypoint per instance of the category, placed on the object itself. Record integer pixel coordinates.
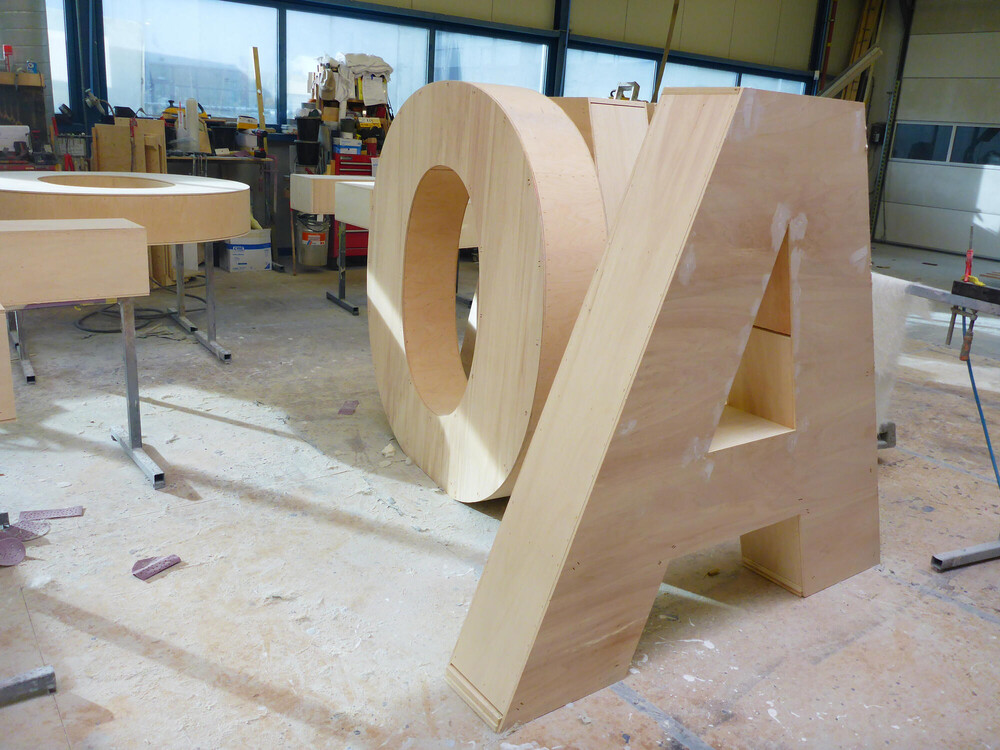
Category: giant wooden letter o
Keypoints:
(537, 206)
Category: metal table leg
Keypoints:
(178, 313)
(208, 341)
(14, 332)
(341, 298)
(131, 442)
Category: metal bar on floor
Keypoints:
(966, 556)
(40, 681)
(131, 442)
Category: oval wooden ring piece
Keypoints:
(173, 208)
(537, 206)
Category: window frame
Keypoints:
(87, 62)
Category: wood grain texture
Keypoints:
(71, 260)
(614, 132)
(173, 208)
(315, 194)
(453, 142)
(622, 472)
(7, 410)
(56, 261)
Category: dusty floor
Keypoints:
(323, 584)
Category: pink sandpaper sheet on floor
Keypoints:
(11, 550)
(348, 407)
(150, 566)
(41, 515)
(25, 531)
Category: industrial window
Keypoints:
(922, 142)
(312, 35)
(590, 73)
(157, 51)
(975, 146)
(58, 82)
(771, 83)
(483, 59)
(678, 74)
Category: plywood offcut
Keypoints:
(56, 261)
(314, 193)
(59, 261)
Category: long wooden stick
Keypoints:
(260, 98)
(666, 51)
(852, 72)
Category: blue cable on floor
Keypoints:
(982, 418)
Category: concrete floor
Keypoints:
(324, 584)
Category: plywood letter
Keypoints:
(702, 409)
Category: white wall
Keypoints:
(951, 76)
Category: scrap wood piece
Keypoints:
(348, 408)
(40, 681)
(11, 550)
(25, 531)
(41, 515)
(150, 566)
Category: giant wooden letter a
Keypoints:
(718, 382)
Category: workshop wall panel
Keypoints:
(971, 100)
(844, 31)
(952, 76)
(707, 27)
(947, 16)
(972, 55)
(755, 30)
(604, 20)
(941, 229)
(959, 187)
(794, 36)
(537, 15)
(647, 22)
(481, 10)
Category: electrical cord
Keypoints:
(143, 315)
(982, 417)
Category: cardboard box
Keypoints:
(250, 252)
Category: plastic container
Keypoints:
(308, 128)
(307, 152)
(312, 238)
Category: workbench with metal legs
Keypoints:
(969, 308)
(207, 337)
(131, 441)
(17, 341)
